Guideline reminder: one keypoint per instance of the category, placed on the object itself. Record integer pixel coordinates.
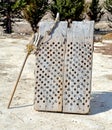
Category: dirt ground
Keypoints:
(22, 115)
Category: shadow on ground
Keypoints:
(22, 106)
(101, 102)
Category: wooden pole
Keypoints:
(18, 80)
(30, 48)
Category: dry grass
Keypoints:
(105, 50)
(107, 36)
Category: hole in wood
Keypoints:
(77, 104)
(83, 103)
(77, 92)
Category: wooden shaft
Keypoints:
(18, 80)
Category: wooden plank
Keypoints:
(49, 68)
(78, 68)
(63, 69)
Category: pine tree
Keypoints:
(68, 9)
(33, 10)
(108, 5)
(95, 10)
(6, 15)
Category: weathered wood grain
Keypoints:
(49, 68)
(64, 68)
(78, 68)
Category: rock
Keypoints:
(107, 16)
(103, 26)
(22, 27)
(48, 16)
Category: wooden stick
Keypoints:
(18, 80)
(30, 49)
(53, 27)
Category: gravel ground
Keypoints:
(22, 115)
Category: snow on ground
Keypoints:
(22, 115)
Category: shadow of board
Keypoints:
(22, 106)
(100, 102)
